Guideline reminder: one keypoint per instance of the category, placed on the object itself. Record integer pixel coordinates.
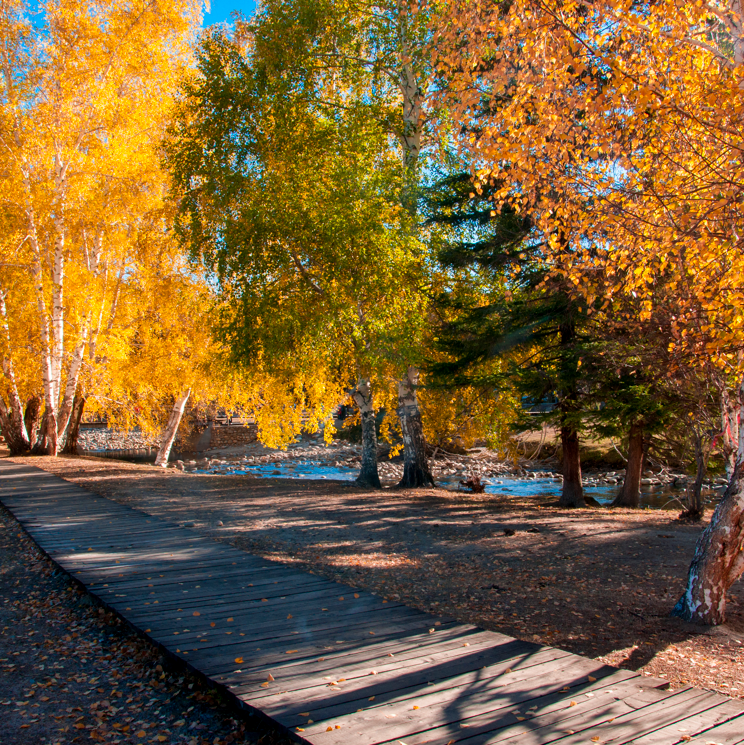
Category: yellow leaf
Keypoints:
(415, 707)
(595, 739)
(238, 660)
(270, 677)
(304, 713)
(196, 613)
(141, 733)
(591, 679)
(292, 651)
(264, 685)
(572, 703)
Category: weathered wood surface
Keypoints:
(337, 665)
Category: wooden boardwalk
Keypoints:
(339, 666)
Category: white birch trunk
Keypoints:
(368, 473)
(719, 554)
(169, 434)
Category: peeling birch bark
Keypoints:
(416, 472)
(11, 417)
(630, 495)
(169, 434)
(719, 554)
(368, 473)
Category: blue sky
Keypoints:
(221, 10)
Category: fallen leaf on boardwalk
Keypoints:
(371, 698)
(141, 733)
(521, 719)
(569, 732)
(299, 729)
(292, 651)
(329, 729)
(508, 670)
(238, 660)
(304, 713)
(591, 679)
(595, 739)
(264, 600)
(229, 620)
(415, 707)
(565, 689)
(264, 685)
(338, 726)
(289, 616)
(572, 703)
(213, 624)
(270, 677)
(341, 598)
(196, 613)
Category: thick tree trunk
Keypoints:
(718, 560)
(13, 430)
(73, 429)
(416, 471)
(572, 494)
(719, 554)
(31, 418)
(169, 434)
(630, 495)
(368, 474)
(47, 442)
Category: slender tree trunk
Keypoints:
(13, 430)
(31, 418)
(362, 395)
(73, 430)
(572, 494)
(416, 471)
(169, 434)
(630, 496)
(695, 507)
(11, 418)
(719, 554)
(730, 412)
(73, 374)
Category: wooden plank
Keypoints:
(723, 712)
(730, 733)
(429, 683)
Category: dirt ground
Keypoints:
(597, 582)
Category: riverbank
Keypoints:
(597, 582)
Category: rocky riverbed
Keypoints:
(341, 460)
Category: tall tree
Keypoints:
(626, 116)
(84, 93)
(527, 317)
(295, 206)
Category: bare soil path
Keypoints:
(598, 582)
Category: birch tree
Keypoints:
(296, 209)
(83, 95)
